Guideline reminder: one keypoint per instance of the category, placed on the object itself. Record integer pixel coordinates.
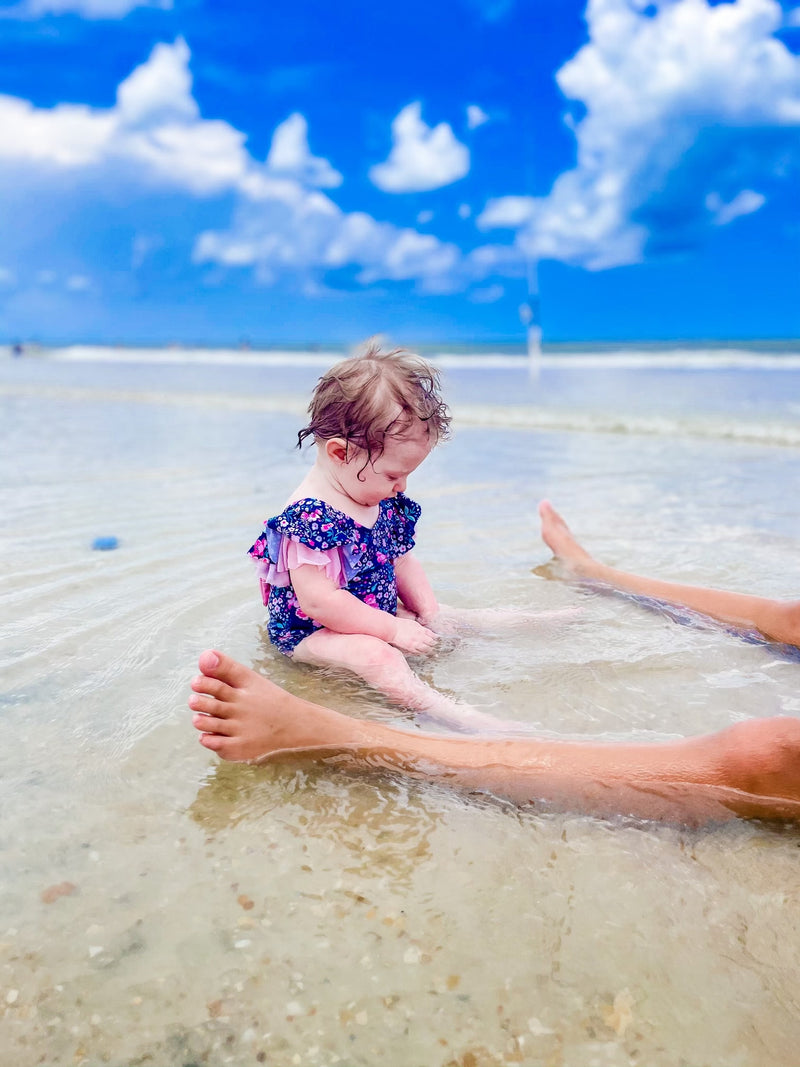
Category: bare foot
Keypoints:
(243, 716)
(559, 539)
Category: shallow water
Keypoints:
(161, 908)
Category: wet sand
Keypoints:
(161, 908)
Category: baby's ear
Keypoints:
(336, 449)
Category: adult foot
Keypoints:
(559, 539)
(243, 716)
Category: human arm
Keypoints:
(337, 609)
(414, 589)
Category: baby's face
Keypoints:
(388, 474)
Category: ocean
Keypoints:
(161, 908)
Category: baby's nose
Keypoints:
(400, 485)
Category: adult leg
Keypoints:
(778, 620)
(752, 769)
(385, 668)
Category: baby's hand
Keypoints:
(409, 636)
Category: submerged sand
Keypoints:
(161, 908)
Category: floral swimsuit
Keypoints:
(357, 558)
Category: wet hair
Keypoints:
(358, 400)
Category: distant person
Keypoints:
(337, 570)
(751, 769)
(777, 620)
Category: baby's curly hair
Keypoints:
(376, 395)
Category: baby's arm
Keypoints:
(338, 610)
(414, 589)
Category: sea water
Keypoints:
(159, 907)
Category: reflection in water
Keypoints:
(383, 823)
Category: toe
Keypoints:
(224, 747)
(217, 665)
(212, 687)
(212, 741)
(207, 705)
(209, 661)
(210, 724)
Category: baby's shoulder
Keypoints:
(315, 523)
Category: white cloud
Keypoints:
(290, 155)
(285, 229)
(409, 254)
(281, 226)
(673, 100)
(204, 158)
(161, 87)
(424, 216)
(295, 231)
(90, 9)
(69, 135)
(464, 211)
(7, 277)
(508, 212)
(745, 203)
(154, 140)
(154, 131)
(78, 283)
(488, 294)
(792, 17)
(493, 260)
(476, 116)
(422, 158)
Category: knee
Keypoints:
(377, 654)
(759, 754)
(790, 628)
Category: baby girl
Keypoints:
(338, 574)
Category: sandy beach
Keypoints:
(159, 907)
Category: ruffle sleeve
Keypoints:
(312, 533)
(402, 516)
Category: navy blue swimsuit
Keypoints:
(360, 558)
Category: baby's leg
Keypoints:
(776, 619)
(385, 669)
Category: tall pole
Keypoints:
(530, 310)
(529, 313)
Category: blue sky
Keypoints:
(203, 172)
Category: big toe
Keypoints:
(548, 513)
(217, 665)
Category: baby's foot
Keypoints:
(243, 716)
(559, 539)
